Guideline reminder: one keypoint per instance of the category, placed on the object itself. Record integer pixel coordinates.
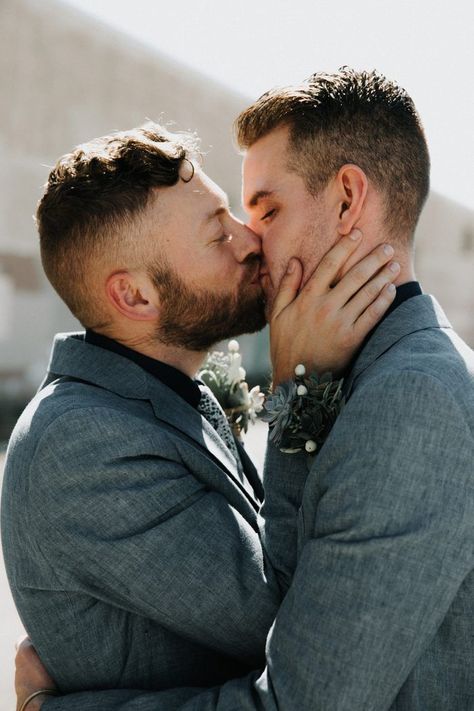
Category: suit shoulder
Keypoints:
(416, 400)
(65, 397)
(78, 415)
(434, 358)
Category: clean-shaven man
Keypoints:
(380, 611)
(130, 521)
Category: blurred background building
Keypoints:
(66, 78)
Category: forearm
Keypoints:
(120, 700)
(249, 693)
(37, 703)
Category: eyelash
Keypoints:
(268, 214)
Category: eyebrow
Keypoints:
(259, 195)
(215, 213)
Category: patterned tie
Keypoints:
(215, 415)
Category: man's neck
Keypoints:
(403, 254)
(407, 270)
(186, 361)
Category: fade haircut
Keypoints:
(92, 204)
(349, 117)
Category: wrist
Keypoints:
(301, 411)
(35, 701)
(281, 375)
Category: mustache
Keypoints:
(252, 264)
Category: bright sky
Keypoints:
(251, 45)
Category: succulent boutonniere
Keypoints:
(301, 412)
(224, 375)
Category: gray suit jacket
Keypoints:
(130, 534)
(380, 612)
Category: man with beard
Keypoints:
(379, 614)
(129, 521)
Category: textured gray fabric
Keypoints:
(130, 534)
(380, 613)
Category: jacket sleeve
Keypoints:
(284, 479)
(388, 540)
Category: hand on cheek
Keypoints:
(322, 326)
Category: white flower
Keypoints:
(256, 399)
(235, 367)
(300, 370)
(224, 374)
(310, 446)
(302, 390)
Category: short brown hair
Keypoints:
(349, 117)
(91, 198)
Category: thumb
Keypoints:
(289, 286)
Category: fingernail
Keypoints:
(391, 288)
(388, 250)
(355, 235)
(291, 266)
(394, 267)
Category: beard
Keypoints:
(197, 319)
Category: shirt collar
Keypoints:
(179, 382)
(404, 292)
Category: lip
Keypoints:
(256, 277)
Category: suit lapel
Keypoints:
(72, 357)
(250, 471)
(169, 408)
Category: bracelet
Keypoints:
(301, 412)
(49, 692)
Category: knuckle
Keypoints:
(377, 308)
(324, 311)
(372, 288)
(360, 273)
(330, 262)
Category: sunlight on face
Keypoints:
(204, 263)
(290, 221)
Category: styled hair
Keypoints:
(92, 200)
(349, 117)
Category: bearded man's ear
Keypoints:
(132, 295)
